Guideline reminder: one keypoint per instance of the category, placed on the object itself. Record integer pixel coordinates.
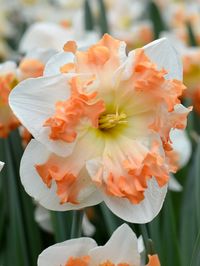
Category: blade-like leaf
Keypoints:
(103, 24)
(156, 18)
(88, 17)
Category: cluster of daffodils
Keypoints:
(101, 122)
(120, 250)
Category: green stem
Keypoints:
(147, 241)
(77, 223)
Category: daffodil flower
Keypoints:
(49, 35)
(120, 250)
(43, 218)
(101, 122)
(32, 65)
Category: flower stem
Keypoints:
(147, 241)
(77, 223)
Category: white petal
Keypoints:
(44, 35)
(33, 102)
(42, 54)
(36, 153)
(55, 62)
(42, 217)
(165, 56)
(140, 213)
(1, 165)
(88, 228)
(174, 185)
(141, 247)
(58, 254)
(182, 145)
(121, 248)
(8, 67)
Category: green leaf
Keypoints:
(18, 229)
(155, 234)
(191, 35)
(170, 241)
(61, 222)
(188, 221)
(19, 248)
(111, 221)
(102, 17)
(27, 207)
(76, 230)
(195, 261)
(88, 17)
(164, 233)
(197, 181)
(156, 18)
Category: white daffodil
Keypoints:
(120, 250)
(49, 35)
(101, 122)
(43, 218)
(32, 65)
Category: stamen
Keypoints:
(107, 121)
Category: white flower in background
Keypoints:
(182, 146)
(120, 250)
(32, 65)
(50, 11)
(1, 165)
(178, 14)
(182, 152)
(48, 35)
(123, 14)
(124, 18)
(43, 218)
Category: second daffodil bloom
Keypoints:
(8, 79)
(10, 75)
(120, 250)
(101, 122)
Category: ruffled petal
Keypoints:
(46, 195)
(121, 248)
(57, 62)
(60, 253)
(33, 102)
(143, 212)
(165, 56)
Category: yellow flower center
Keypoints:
(107, 121)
